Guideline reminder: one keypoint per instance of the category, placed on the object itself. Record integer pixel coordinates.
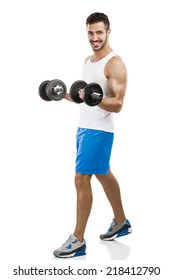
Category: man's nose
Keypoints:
(95, 38)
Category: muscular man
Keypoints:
(95, 136)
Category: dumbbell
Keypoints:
(93, 93)
(52, 90)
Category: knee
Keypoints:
(82, 180)
(101, 178)
(104, 178)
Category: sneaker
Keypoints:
(116, 230)
(71, 248)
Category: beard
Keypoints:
(97, 45)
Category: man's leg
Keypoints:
(112, 191)
(84, 203)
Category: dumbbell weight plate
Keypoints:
(74, 90)
(42, 91)
(93, 94)
(56, 90)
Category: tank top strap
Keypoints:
(104, 60)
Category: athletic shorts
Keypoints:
(93, 151)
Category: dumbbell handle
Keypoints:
(96, 95)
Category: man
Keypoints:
(95, 137)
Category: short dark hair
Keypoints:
(98, 17)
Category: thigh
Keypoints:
(93, 151)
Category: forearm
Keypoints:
(111, 104)
(67, 97)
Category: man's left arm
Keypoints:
(116, 73)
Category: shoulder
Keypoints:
(115, 66)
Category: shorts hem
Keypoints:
(92, 172)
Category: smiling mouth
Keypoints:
(95, 44)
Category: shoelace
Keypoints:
(69, 240)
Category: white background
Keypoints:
(46, 39)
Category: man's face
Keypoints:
(97, 35)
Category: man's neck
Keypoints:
(98, 55)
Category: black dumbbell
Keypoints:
(93, 93)
(52, 90)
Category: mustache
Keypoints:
(95, 41)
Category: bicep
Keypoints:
(116, 88)
(117, 79)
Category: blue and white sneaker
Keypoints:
(116, 230)
(71, 248)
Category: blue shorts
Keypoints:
(93, 151)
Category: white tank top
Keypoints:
(95, 117)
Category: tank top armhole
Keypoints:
(87, 59)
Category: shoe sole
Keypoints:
(120, 234)
(75, 254)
